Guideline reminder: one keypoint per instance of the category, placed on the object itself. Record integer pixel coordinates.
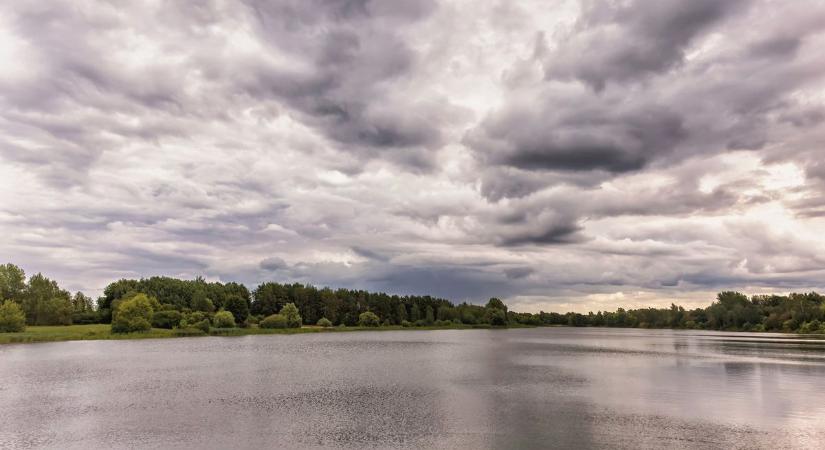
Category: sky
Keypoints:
(567, 155)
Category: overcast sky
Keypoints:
(569, 155)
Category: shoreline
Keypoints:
(102, 332)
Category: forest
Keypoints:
(164, 302)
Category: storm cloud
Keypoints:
(591, 155)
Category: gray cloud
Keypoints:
(589, 155)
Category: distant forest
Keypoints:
(164, 302)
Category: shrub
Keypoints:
(498, 318)
(420, 323)
(224, 319)
(386, 323)
(237, 306)
(443, 323)
(133, 315)
(85, 317)
(274, 321)
(368, 319)
(166, 319)
(406, 323)
(203, 325)
(324, 322)
(191, 318)
(12, 317)
(292, 316)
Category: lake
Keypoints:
(516, 388)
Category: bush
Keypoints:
(406, 323)
(166, 319)
(133, 314)
(324, 322)
(368, 319)
(203, 325)
(443, 323)
(420, 323)
(85, 317)
(292, 316)
(274, 321)
(498, 318)
(12, 317)
(224, 319)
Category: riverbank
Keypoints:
(58, 333)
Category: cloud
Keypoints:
(585, 155)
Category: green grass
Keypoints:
(103, 331)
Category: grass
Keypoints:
(103, 331)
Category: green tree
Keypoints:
(224, 319)
(133, 314)
(81, 303)
(368, 319)
(12, 282)
(273, 321)
(237, 305)
(429, 316)
(415, 313)
(498, 317)
(292, 315)
(200, 302)
(12, 317)
(169, 319)
(45, 303)
(402, 313)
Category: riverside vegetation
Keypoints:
(166, 307)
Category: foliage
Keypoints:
(166, 319)
(85, 317)
(12, 317)
(224, 319)
(274, 321)
(368, 319)
(44, 303)
(292, 316)
(133, 314)
(324, 322)
(12, 282)
(238, 306)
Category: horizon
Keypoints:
(585, 157)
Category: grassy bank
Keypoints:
(102, 331)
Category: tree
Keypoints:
(12, 282)
(236, 304)
(498, 317)
(133, 314)
(224, 319)
(324, 322)
(200, 302)
(415, 313)
(81, 303)
(429, 316)
(169, 319)
(12, 317)
(273, 321)
(45, 303)
(402, 313)
(292, 315)
(368, 319)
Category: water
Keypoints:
(519, 388)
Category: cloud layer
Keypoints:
(594, 154)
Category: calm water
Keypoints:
(525, 388)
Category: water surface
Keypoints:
(518, 388)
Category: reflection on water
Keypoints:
(524, 388)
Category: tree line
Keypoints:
(165, 302)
